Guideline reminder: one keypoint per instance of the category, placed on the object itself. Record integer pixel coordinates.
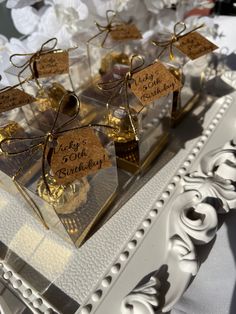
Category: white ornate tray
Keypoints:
(144, 257)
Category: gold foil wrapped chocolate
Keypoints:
(111, 59)
(121, 130)
(65, 198)
(122, 133)
(10, 129)
(50, 97)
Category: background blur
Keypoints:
(6, 26)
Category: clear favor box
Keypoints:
(140, 135)
(48, 65)
(111, 42)
(190, 72)
(46, 177)
(48, 75)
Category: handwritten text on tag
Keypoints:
(125, 31)
(78, 153)
(194, 45)
(52, 63)
(14, 98)
(153, 82)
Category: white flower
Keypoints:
(3, 40)
(61, 19)
(65, 15)
(64, 9)
(12, 46)
(127, 9)
(4, 59)
(99, 7)
(16, 45)
(207, 4)
(7, 48)
(25, 19)
(155, 6)
(18, 4)
(136, 10)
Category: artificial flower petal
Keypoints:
(18, 4)
(25, 19)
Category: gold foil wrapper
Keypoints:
(122, 130)
(65, 198)
(50, 97)
(122, 133)
(10, 129)
(111, 59)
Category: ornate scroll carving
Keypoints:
(143, 299)
(192, 220)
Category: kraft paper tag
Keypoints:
(52, 63)
(14, 98)
(125, 31)
(153, 82)
(77, 154)
(194, 45)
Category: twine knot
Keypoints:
(118, 85)
(50, 137)
(34, 57)
(179, 29)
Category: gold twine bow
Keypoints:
(34, 57)
(44, 140)
(42, 143)
(113, 20)
(177, 34)
(121, 84)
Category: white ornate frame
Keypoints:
(206, 193)
(185, 215)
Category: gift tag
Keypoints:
(14, 98)
(125, 31)
(77, 154)
(52, 63)
(153, 82)
(194, 45)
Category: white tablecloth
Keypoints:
(213, 291)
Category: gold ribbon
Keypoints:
(177, 34)
(124, 83)
(34, 57)
(44, 141)
(113, 20)
(42, 144)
